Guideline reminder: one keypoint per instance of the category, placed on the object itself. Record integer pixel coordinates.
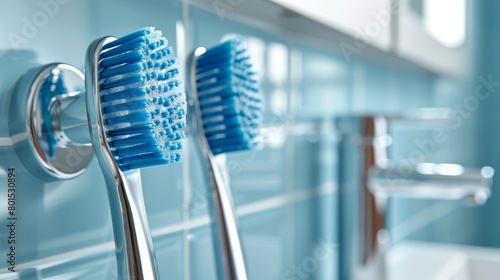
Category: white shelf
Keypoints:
(272, 17)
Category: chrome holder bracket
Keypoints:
(47, 122)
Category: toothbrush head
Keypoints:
(230, 102)
(142, 99)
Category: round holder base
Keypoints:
(47, 122)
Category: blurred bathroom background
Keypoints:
(316, 60)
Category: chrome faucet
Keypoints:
(367, 177)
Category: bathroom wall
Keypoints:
(488, 59)
(285, 192)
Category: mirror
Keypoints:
(443, 20)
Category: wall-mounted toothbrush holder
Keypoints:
(129, 109)
(47, 122)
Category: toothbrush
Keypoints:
(228, 105)
(136, 109)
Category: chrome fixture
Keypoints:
(47, 123)
(367, 177)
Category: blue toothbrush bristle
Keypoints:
(230, 99)
(142, 100)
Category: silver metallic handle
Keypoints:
(229, 240)
(229, 245)
(433, 181)
(133, 242)
(428, 117)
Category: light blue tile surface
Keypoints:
(286, 190)
(259, 175)
(267, 246)
(163, 194)
(170, 252)
(202, 264)
(488, 57)
(314, 239)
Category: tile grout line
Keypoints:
(245, 210)
(183, 42)
(11, 141)
(421, 219)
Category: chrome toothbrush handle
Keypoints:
(229, 239)
(228, 246)
(133, 241)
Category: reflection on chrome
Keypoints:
(440, 169)
(432, 181)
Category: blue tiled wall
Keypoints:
(285, 192)
(488, 65)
